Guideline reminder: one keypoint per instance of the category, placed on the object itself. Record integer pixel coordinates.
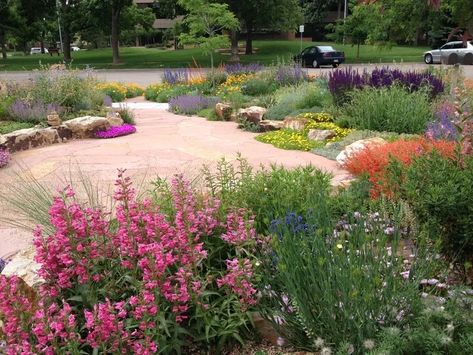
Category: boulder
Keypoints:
(24, 266)
(114, 119)
(270, 125)
(85, 127)
(320, 134)
(223, 111)
(28, 138)
(356, 147)
(295, 123)
(252, 114)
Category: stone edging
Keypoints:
(77, 128)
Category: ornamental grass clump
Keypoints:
(290, 75)
(191, 104)
(135, 280)
(117, 131)
(4, 157)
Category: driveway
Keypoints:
(164, 144)
(146, 77)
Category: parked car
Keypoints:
(316, 56)
(461, 50)
(75, 48)
(37, 50)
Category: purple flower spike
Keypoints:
(116, 131)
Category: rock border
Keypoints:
(77, 128)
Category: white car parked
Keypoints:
(37, 50)
(457, 47)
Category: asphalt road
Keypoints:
(145, 77)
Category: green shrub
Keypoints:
(293, 100)
(64, 88)
(336, 287)
(5, 103)
(278, 189)
(440, 192)
(10, 126)
(209, 114)
(165, 92)
(258, 87)
(391, 109)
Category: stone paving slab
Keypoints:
(165, 144)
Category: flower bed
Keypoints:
(118, 131)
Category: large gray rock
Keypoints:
(295, 123)
(24, 266)
(28, 138)
(320, 134)
(356, 147)
(85, 127)
(253, 114)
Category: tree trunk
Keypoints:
(42, 43)
(115, 35)
(66, 43)
(234, 38)
(249, 40)
(2, 44)
(358, 50)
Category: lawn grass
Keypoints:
(268, 52)
(10, 126)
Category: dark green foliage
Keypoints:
(440, 192)
(257, 87)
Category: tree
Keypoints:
(280, 15)
(206, 22)
(115, 8)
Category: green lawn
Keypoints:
(268, 52)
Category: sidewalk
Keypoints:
(165, 144)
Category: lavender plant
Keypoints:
(443, 126)
(25, 111)
(290, 75)
(190, 104)
(176, 76)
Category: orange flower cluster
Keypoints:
(375, 160)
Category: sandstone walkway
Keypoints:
(164, 144)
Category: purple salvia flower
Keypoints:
(176, 76)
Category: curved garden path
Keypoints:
(164, 144)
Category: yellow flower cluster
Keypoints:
(119, 91)
(287, 139)
(196, 80)
(317, 116)
(233, 83)
(115, 89)
(297, 140)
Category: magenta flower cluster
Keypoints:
(4, 157)
(117, 131)
(111, 284)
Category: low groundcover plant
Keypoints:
(141, 282)
(4, 157)
(118, 131)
